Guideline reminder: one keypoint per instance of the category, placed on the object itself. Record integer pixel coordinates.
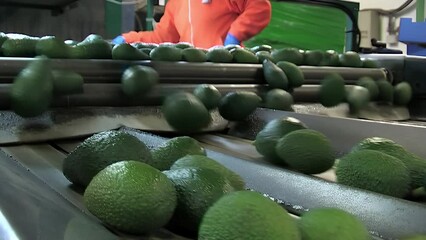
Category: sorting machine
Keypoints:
(38, 202)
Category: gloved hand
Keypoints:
(119, 40)
(231, 40)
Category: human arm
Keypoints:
(165, 30)
(254, 16)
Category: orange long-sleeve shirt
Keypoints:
(206, 24)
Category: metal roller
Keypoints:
(109, 71)
(351, 75)
(103, 94)
(112, 95)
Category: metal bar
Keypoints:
(149, 15)
(111, 94)
(109, 71)
(420, 10)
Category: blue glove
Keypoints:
(231, 40)
(119, 40)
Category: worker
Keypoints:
(206, 23)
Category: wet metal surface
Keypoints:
(30, 209)
(344, 133)
(76, 122)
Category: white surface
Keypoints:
(369, 25)
(387, 5)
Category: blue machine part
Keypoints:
(414, 35)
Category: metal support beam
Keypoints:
(420, 10)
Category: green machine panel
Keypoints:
(307, 26)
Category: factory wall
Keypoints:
(75, 23)
(389, 38)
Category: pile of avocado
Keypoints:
(333, 91)
(95, 46)
(177, 186)
(381, 165)
(289, 143)
(376, 164)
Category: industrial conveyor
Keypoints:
(37, 200)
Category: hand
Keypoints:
(119, 40)
(231, 40)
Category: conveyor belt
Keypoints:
(102, 80)
(385, 216)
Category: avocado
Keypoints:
(219, 55)
(101, 150)
(131, 197)
(402, 93)
(3, 38)
(19, 47)
(278, 99)
(374, 171)
(147, 51)
(194, 55)
(306, 150)
(185, 112)
(332, 90)
(262, 55)
(201, 161)
(241, 55)
(126, 51)
(92, 47)
(369, 63)
(52, 47)
(208, 95)
(183, 45)
(247, 215)
(166, 53)
(32, 89)
(292, 55)
(313, 57)
(140, 45)
(415, 165)
(166, 154)
(371, 85)
(350, 59)
(385, 91)
(67, 82)
(330, 58)
(274, 76)
(357, 97)
(294, 74)
(267, 138)
(71, 43)
(228, 47)
(321, 223)
(236, 106)
(197, 190)
(263, 47)
(138, 80)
